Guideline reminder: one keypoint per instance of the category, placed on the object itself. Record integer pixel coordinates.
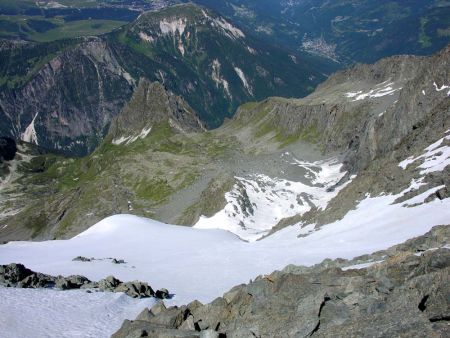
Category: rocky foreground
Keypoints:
(403, 292)
(17, 275)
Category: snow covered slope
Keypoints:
(196, 263)
(258, 202)
(49, 313)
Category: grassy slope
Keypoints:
(75, 193)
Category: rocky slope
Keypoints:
(367, 110)
(62, 95)
(403, 294)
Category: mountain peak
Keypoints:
(174, 20)
(151, 105)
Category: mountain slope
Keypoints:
(214, 65)
(63, 95)
(267, 168)
(343, 30)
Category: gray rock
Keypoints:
(37, 280)
(135, 289)
(110, 283)
(117, 261)
(82, 259)
(13, 273)
(162, 294)
(71, 282)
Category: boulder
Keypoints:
(37, 280)
(162, 294)
(71, 282)
(110, 283)
(13, 273)
(135, 289)
(117, 261)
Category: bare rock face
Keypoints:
(152, 105)
(68, 105)
(405, 295)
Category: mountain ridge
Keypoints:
(185, 178)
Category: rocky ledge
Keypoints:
(407, 294)
(17, 275)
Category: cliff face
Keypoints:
(365, 111)
(68, 105)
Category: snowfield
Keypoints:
(48, 313)
(191, 263)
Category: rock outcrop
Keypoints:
(406, 294)
(17, 275)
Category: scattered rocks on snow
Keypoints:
(85, 259)
(82, 259)
(17, 275)
(117, 261)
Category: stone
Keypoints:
(82, 259)
(145, 315)
(117, 261)
(13, 273)
(109, 283)
(135, 289)
(162, 294)
(71, 282)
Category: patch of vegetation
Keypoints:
(77, 29)
(424, 39)
(156, 190)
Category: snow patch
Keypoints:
(241, 75)
(29, 135)
(130, 139)
(379, 90)
(145, 37)
(217, 77)
(181, 47)
(258, 202)
(435, 157)
(443, 87)
(251, 50)
(361, 266)
(172, 27)
(229, 30)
